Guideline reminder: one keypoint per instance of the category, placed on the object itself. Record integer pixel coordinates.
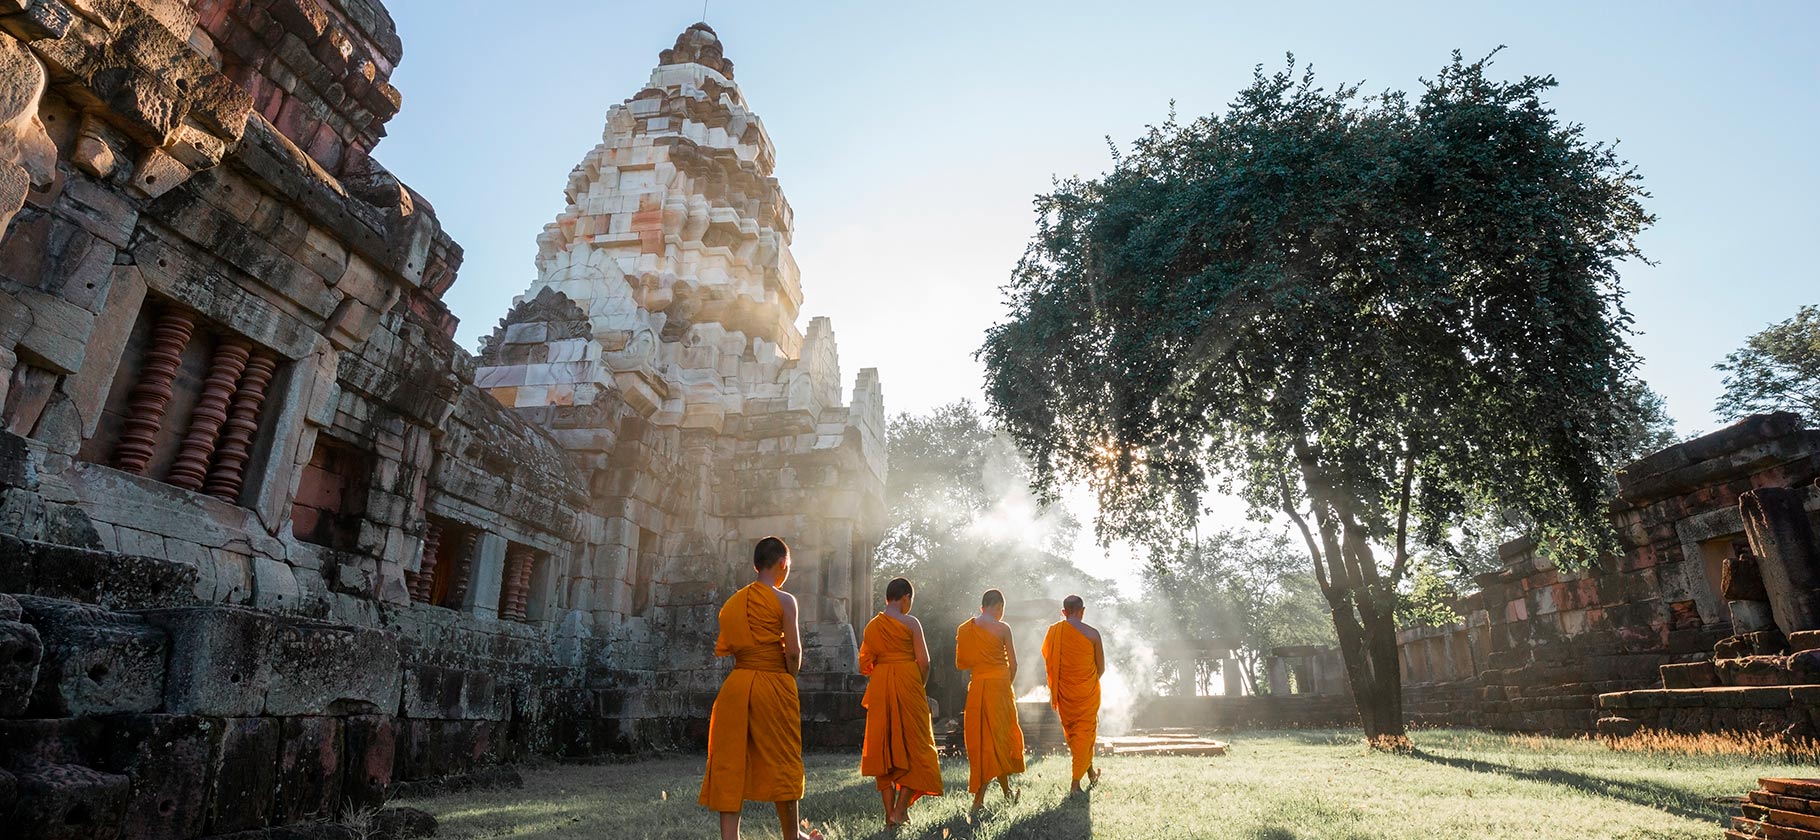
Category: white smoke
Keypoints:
(1018, 517)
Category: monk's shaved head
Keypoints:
(769, 552)
(992, 598)
(1073, 604)
(898, 588)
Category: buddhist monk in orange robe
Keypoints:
(755, 736)
(1075, 659)
(995, 743)
(900, 738)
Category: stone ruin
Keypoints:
(271, 544)
(1706, 622)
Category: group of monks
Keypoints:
(755, 743)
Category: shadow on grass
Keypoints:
(1660, 797)
(1070, 819)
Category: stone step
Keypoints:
(1689, 675)
(1785, 803)
(1770, 831)
(1786, 819)
(1797, 788)
(1722, 697)
(1801, 640)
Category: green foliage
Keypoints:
(1249, 588)
(1429, 601)
(1777, 369)
(1365, 279)
(1473, 547)
(961, 521)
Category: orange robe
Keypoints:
(1074, 690)
(755, 736)
(900, 737)
(995, 743)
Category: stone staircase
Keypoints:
(1765, 686)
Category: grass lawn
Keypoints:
(1271, 786)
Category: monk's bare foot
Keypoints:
(1014, 795)
(1093, 777)
(812, 835)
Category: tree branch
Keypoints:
(1402, 561)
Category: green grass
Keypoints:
(1271, 786)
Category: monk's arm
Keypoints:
(1010, 650)
(793, 634)
(1099, 656)
(922, 645)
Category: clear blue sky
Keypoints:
(912, 136)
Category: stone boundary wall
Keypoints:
(1539, 645)
(1252, 711)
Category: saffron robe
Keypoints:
(900, 738)
(755, 734)
(1074, 690)
(995, 742)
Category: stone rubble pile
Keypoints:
(1782, 809)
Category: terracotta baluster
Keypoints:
(226, 475)
(421, 580)
(463, 557)
(145, 409)
(517, 583)
(211, 412)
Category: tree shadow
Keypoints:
(1674, 801)
(1070, 819)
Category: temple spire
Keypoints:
(698, 45)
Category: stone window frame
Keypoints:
(225, 449)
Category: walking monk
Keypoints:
(1075, 659)
(755, 736)
(995, 744)
(900, 738)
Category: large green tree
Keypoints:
(1777, 369)
(1374, 315)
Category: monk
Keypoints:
(995, 743)
(900, 737)
(755, 735)
(1075, 660)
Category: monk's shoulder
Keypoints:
(786, 601)
(1090, 631)
(1000, 629)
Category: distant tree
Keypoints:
(1777, 369)
(1372, 315)
(961, 521)
(1247, 587)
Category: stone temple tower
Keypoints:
(659, 346)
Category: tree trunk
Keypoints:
(1362, 604)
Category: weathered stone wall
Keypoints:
(267, 548)
(1539, 645)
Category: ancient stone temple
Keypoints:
(271, 544)
(1706, 622)
(659, 345)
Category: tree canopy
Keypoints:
(1777, 369)
(1374, 314)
